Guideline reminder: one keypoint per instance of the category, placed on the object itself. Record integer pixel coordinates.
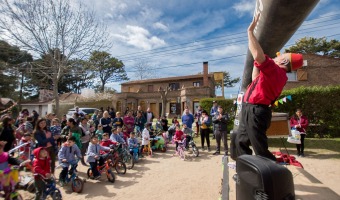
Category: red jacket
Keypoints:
(178, 135)
(41, 166)
(106, 143)
(267, 87)
(303, 121)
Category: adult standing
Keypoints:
(187, 118)
(300, 123)
(7, 133)
(112, 113)
(35, 116)
(269, 78)
(139, 109)
(205, 123)
(105, 121)
(129, 122)
(139, 122)
(85, 139)
(197, 116)
(149, 116)
(213, 112)
(220, 122)
(45, 139)
(164, 123)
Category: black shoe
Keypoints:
(216, 153)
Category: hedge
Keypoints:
(320, 104)
(227, 104)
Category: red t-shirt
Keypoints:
(268, 85)
(178, 135)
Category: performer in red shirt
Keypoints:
(269, 77)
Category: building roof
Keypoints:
(5, 101)
(175, 78)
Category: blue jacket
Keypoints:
(94, 150)
(132, 142)
(188, 120)
(213, 111)
(117, 138)
(41, 139)
(69, 154)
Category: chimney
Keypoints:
(205, 74)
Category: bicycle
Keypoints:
(51, 188)
(77, 183)
(8, 181)
(134, 151)
(125, 155)
(181, 149)
(194, 148)
(104, 168)
(116, 161)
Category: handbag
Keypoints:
(294, 137)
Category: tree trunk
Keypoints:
(102, 87)
(56, 95)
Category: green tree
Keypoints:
(228, 81)
(62, 29)
(107, 68)
(320, 46)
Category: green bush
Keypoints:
(227, 104)
(319, 104)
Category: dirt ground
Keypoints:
(167, 177)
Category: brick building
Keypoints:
(181, 91)
(320, 71)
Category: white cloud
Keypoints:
(229, 50)
(140, 37)
(159, 25)
(244, 7)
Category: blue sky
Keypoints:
(170, 35)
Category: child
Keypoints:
(187, 133)
(106, 142)
(145, 136)
(93, 156)
(29, 125)
(5, 161)
(120, 131)
(132, 142)
(159, 126)
(41, 169)
(66, 156)
(174, 120)
(116, 137)
(63, 121)
(99, 132)
(117, 121)
(25, 151)
(178, 135)
(126, 134)
(56, 132)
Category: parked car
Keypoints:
(81, 110)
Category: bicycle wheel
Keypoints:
(110, 176)
(181, 153)
(77, 185)
(56, 195)
(120, 167)
(89, 173)
(129, 161)
(195, 151)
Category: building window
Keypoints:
(130, 89)
(292, 76)
(174, 86)
(150, 88)
(196, 84)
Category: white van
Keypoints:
(81, 110)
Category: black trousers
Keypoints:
(205, 135)
(94, 165)
(221, 135)
(255, 120)
(301, 147)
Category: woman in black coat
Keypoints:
(7, 133)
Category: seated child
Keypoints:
(41, 169)
(116, 137)
(145, 136)
(126, 134)
(132, 142)
(66, 157)
(93, 156)
(106, 142)
(179, 135)
(99, 132)
(188, 134)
